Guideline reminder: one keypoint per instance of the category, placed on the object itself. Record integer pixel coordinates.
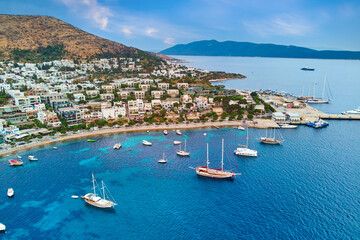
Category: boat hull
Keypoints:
(246, 152)
(182, 153)
(214, 173)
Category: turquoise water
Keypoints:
(308, 188)
(284, 74)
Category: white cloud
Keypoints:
(127, 32)
(90, 9)
(169, 40)
(283, 25)
(150, 32)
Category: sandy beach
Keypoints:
(258, 123)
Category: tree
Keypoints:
(250, 116)
(189, 105)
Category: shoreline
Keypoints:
(262, 124)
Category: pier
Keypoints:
(339, 116)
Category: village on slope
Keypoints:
(67, 96)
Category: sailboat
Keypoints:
(244, 150)
(270, 140)
(15, 162)
(318, 100)
(165, 132)
(163, 160)
(95, 200)
(2, 228)
(215, 173)
(183, 152)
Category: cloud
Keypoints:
(150, 32)
(283, 25)
(169, 40)
(127, 32)
(90, 9)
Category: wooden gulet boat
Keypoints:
(95, 200)
(270, 140)
(215, 173)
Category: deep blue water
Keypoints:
(284, 74)
(308, 188)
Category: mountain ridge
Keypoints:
(249, 49)
(30, 32)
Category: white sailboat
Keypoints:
(178, 132)
(95, 200)
(183, 152)
(215, 173)
(165, 132)
(244, 150)
(163, 160)
(318, 100)
(177, 142)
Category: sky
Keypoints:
(154, 25)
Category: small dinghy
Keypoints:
(10, 192)
(74, 197)
(2, 228)
(146, 143)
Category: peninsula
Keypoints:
(248, 49)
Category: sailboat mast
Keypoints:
(103, 188)
(185, 145)
(207, 155)
(314, 89)
(247, 136)
(93, 180)
(323, 92)
(222, 155)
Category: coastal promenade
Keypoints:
(258, 123)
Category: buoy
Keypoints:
(129, 149)
(259, 155)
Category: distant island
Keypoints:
(248, 49)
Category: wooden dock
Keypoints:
(340, 116)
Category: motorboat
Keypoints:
(163, 160)
(102, 201)
(32, 158)
(355, 111)
(2, 228)
(288, 126)
(74, 197)
(177, 142)
(117, 146)
(317, 124)
(165, 132)
(178, 132)
(146, 143)
(241, 128)
(55, 148)
(10, 192)
(307, 68)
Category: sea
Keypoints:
(306, 188)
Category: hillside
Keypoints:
(247, 49)
(31, 33)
